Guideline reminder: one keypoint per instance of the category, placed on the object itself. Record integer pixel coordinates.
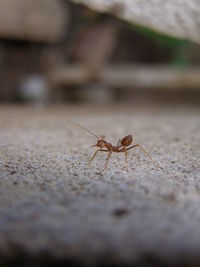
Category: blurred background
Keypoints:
(54, 51)
(102, 72)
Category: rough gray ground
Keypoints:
(55, 209)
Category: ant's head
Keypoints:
(101, 142)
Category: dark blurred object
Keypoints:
(134, 46)
(18, 60)
(94, 45)
(33, 20)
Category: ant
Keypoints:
(122, 146)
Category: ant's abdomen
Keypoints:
(127, 140)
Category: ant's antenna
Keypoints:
(83, 128)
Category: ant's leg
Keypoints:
(145, 152)
(96, 153)
(119, 143)
(126, 158)
(109, 154)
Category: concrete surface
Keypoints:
(55, 209)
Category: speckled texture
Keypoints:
(54, 207)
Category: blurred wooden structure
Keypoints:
(33, 20)
(129, 76)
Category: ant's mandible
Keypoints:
(122, 146)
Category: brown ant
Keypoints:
(122, 146)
